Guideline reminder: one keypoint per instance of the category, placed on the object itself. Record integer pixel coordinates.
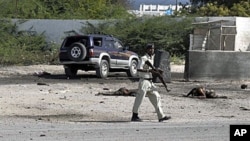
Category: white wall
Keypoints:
(243, 34)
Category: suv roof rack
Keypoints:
(100, 33)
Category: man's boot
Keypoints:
(164, 118)
(135, 117)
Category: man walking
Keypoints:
(147, 87)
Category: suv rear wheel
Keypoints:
(103, 70)
(77, 52)
(132, 71)
(70, 71)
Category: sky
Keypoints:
(136, 3)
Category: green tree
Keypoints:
(227, 3)
(213, 9)
(241, 9)
(64, 9)
(166, 33)
(18, 47)
(221, 7)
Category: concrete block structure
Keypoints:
(217, 66)
(219, 49)
(221, 33)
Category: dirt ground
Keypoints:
(57, 98)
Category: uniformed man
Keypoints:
(147, 87)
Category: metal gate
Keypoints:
(218, 35)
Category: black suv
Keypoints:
(102, 53)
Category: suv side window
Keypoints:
(109, 44)
(113, 44)
(117, 45)
(97, 42)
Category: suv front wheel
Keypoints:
(103, 70)
(132, 71)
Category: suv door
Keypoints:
(119, 56)
(112, 51)
(122, 55)
(98, 46)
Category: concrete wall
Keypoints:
(54, 30)
(217, 65)
(242, 42)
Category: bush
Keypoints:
(24, 47)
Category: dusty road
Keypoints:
(27, 129)
(68, 109)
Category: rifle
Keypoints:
(158, 73)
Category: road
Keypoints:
(113, 131)
(68, 109)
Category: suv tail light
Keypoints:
(91, 52)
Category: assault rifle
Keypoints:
(158, 73)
